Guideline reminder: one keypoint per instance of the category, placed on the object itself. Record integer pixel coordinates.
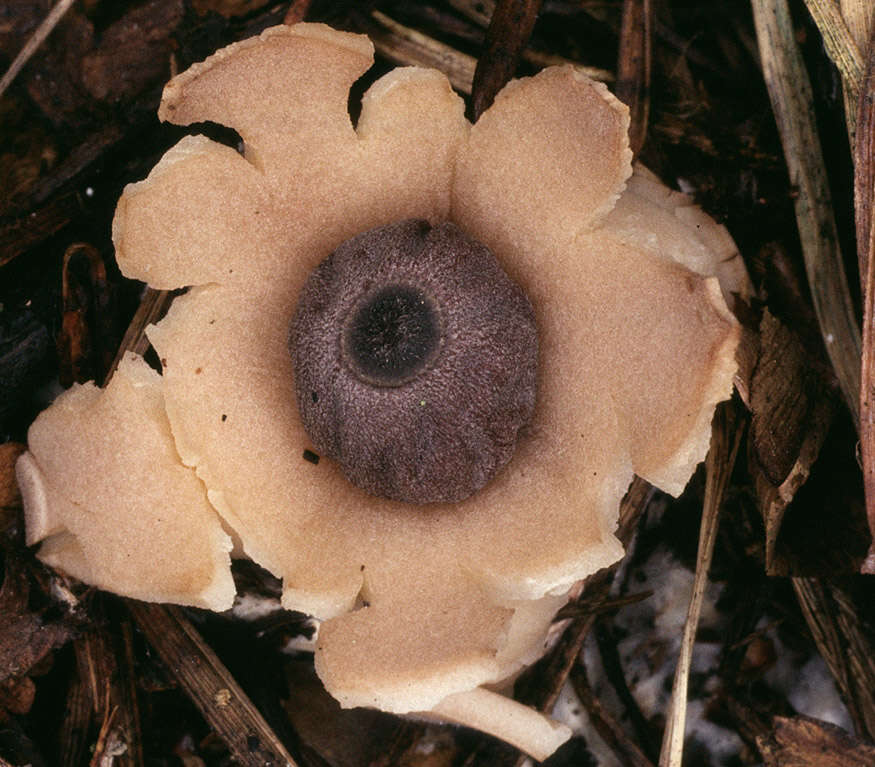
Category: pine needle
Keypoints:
(35, 41)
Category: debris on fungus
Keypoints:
(635, 346)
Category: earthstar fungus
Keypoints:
(635, 348)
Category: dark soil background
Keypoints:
(786, 637)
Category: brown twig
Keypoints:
(85, 350)
(586, 605)
(408, 47)
(607, 642)
(633, 67)
(35, 41)
(153, 306)
(508, 33)
(864, 202)
(211, 687)
(609, 728)
(73, 740)
(103, 738)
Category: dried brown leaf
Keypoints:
(805, 742)
(791, 415)
(16, 696)
(85, 342)
(25, 636)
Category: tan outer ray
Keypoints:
(521, 726)
(202, 215)
(544, 162)
(661, 339)
(435, 636)
(667, 223)
(284, 91)
(104, 464)
(411, 127)
(547, 519)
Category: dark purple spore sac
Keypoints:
(415, 361)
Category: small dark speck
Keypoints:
(365, 603)
(310, 456)
(212, 322)
(163, 362)
(315, 397)
(362, 568)
(224, 417)
(198, 371)
(595, 473)
(230, 271)
(252, 743)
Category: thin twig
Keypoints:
(153, 306)
(211, 687)
(607, 642)
(410, 47)
(804, 742)
(792, 103)
(633, 67)
(35, 41)
(103, 742)
(725, 440)
(507, 35)
(612, 733)
(406, 46)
